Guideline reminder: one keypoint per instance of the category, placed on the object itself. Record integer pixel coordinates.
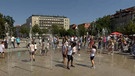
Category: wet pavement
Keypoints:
(16, 63)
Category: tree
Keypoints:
(81, 30)
(129, 28)
(104, 22)
(43, 31)
(62, 32)
(2, 25)
(35, 29)
(10, 21)
(70, 32)
(55, 29)
(24, 30)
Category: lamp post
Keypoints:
(6, 33)
(30, 33)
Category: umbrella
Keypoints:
(116, 33)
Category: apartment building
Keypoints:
(46, 21)
(122, 17)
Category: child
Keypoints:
(92, 55)
(35, 45)
(2, 48)
(79, 47)
(32, 51)
(69, 55)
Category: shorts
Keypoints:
(35, 49)
(42, 51)
(18, 43)
(2, 52)
(92, 57)
(70, 57)
(32, 53)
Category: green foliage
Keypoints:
(24, 29)
(9, 20)
(129, 28)
(63, 32)
(2, 25)
(43, 31)
(70, 32)
(104, 22)
(55, 29)
(81, 30)
(3, 20)
(35, 29)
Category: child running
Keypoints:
(92, 55)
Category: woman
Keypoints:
(111, 47)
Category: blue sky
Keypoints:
(79, 11)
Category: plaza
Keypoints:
(16, 63)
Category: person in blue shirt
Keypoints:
(18, 41)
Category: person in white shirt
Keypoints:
(2, 48)
(69, 55)
(35, 45)
(92, 55)
(13, 41)
(32, 51)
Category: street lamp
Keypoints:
(30, 34)
(6, 29)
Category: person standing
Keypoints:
(13, 41)
(18, 42)
(111, 47)
(64, 52)
(47, 46)
(69, 56)
(32, 51)
(92, 55)
(35, 49)
(2, 48)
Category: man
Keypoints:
(13, 41)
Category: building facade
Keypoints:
(122, 17)
(46, 21)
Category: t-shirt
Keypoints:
(12, 39)
(64, 48)
(32, 47)
(2, 47)
(74, 49)
(70, 50)
(93, 51)
(35, 46)
(18, 40)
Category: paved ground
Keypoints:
(16, 63)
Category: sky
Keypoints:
(78, 11)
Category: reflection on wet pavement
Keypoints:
(18, 64)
